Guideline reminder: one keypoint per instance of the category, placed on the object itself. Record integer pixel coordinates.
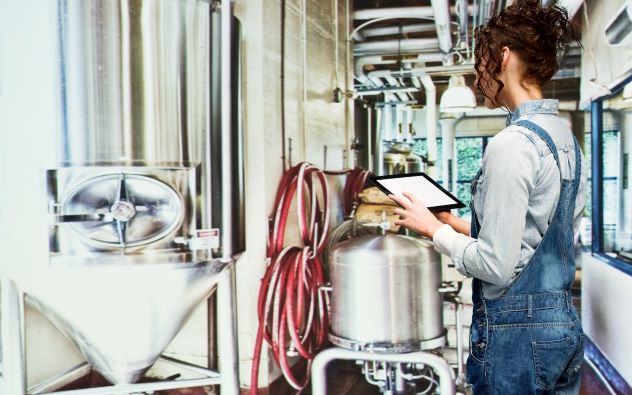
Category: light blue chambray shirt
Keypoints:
(516, 196)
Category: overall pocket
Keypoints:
(557, 362)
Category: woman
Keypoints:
(527, 201)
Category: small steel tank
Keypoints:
(385, 294)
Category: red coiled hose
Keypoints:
(354, 184)
(290, 304)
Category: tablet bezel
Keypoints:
(458, 203)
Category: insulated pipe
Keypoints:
(401, 12)
(440, 365)
(392, 30)
(398, 12)
(362, 61)
(226, 24)
(441, 10)
(431, 123)
(572, 6)
(402, 96)
(420, 72)
(396, 46)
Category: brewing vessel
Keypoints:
(385, 294)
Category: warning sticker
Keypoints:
(204, 239)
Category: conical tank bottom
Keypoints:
(121, 317)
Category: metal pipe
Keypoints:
(422, 12)
(431, 123)
(461, 7)
(572, 6)
(304, 78)
(226, 331)
(396, 46)
(226, 25)
(63, 378)
(441, 11)
(433, 71)
(392, 30)
(396, 12)
(13, 378)
(362, 61)
(349, 87)
(139, 388)
(459, 343)
(440, 365)
(190, 366)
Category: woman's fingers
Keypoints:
(412, 198)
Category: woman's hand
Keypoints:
(414, 215)
(444, 216)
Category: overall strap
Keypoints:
(475, 226)
(578, 168)
(544, 135)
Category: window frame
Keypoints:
(597, 175)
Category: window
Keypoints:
(469, 158)
(615, 216)
(420, 147)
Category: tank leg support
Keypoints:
(12, 364)
(226, 332)
(440, 365)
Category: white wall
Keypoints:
(325, 125)
(606, 292)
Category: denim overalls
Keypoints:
(529, 340)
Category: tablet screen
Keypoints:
(428, 191)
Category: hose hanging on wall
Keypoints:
(290, 304)
(356, 178)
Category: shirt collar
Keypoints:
(543, 106)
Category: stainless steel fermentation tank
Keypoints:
(146, 200)
(385, 294)
(387, 312)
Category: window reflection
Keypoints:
(615, 189)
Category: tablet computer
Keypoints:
(427, 190)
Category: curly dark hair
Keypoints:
(534, 32)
